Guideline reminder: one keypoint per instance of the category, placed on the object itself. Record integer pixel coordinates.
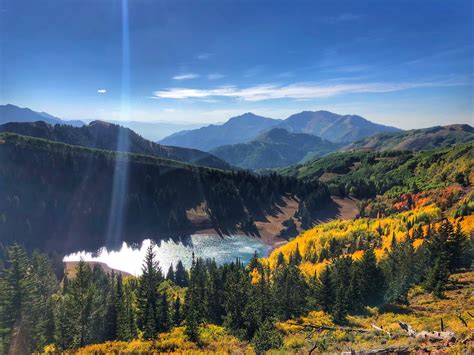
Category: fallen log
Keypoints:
(449, 337)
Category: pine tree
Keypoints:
(181, 275)
(267, 337)
(177, 314)
(82, 293)
(370, 279)
(17, 302)
(148, 296)
(64, 323)
(45, 286)
(197, 295)
(259, 306)
(170, 276)
(289, 291)
(236, 293)
(443, 252)
(164, 313)
(343, 289)
(322, 291)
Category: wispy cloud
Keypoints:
(299, 90)
(215, 76)
(102, 91)
(345, 17)
(204, 56)
(186, 76)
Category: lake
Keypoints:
(221, 249)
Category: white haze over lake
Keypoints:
(222, 249)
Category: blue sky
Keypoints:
(403, 63)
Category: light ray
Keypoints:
(120, 181)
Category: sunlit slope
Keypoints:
(351, 237)
(366, 174)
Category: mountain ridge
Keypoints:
(12, 113)
(330, 126)
(105, 135)
(273, 149)
(237, 129)
(416, 139)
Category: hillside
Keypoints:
(333, 127)
(67, 198)
(12, 113)
(273, 149)
(364, 174)
(108, 136)
(417, 139)
(237, 129)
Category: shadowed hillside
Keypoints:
(108, 136)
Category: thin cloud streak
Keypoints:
(299, 90)
(186, 76)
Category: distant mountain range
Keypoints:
(417, 139)
(238, 129)
(275, 148)
(333, 127)
(12, 113)
(104, 135)
(243, 129)
(155, 131)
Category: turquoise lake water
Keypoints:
(222, 249)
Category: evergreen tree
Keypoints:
(170, 276)
(370, 280)
(126, 316)
(259, 306)
(267, 337)
(164, 313)
(177, 314)
(343, 289)
(289, 291)
(45, 286)
(82, 293)
(322, 292)
(215, 293)
(148, 296)
(17, 302)
(236, 293)
(181, 275)
(197, 295)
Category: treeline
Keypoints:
(111, 137)
(64, 198)
(92, 306)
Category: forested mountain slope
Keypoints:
(417, 139)
(61, 197)
(365, 174)
(108, 136)
(273, 149)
